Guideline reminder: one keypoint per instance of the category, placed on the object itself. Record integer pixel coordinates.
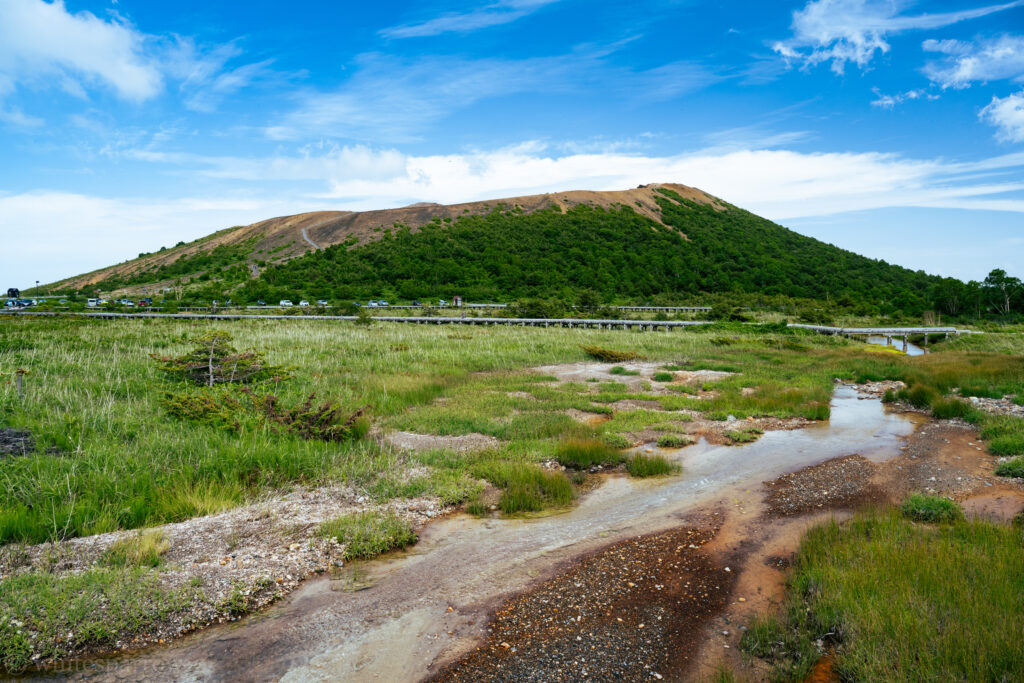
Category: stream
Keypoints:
(430, 604)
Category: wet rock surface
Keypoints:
(631, 612)
(15, 442)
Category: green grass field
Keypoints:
(902, 600)
(110, 456)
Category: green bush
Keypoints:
(923, 508)
(663, 377)
(368, 534)
(645, 465)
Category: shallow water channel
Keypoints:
(897, 343)
(431, 603)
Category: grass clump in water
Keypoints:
(663, 377)
(368, 534)
(1011, 468)
(581, 454)
(143, 549)
(745, 435)
(936, 509)
(616, 440)
(646, 465)
(674, 441)
(621, 371)
(907, 602)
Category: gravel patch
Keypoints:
(410, 441)
(632, 612)
(15, 442)
(840, 483)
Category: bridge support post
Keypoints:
(905, 343)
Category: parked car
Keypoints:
(304, 303)
(416, 303)
(261, 302)
(92, 303)
(357, 304)
(442, 302)
(382, 303)
(372, 304)
(322, 302)
(286, 303)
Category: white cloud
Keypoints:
(890, 101)
(495, 14)
(388, 99)
(42, 42)
(1007, 115)
(994, 59)
(841, 31)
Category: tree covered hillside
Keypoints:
(508, 254)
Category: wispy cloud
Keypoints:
(494, 14)
(890, 101)
(842, 31)
(389, 99)
(992, 59)
(1007, 115)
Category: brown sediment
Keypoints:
(629, 612)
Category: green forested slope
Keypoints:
(618, 253)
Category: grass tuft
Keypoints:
(368, 534)
(143, 549)
(921, 508)
(1011, 468)
(581, 454)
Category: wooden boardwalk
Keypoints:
(575, 323)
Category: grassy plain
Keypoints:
(109, 456)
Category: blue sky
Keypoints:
(890, 127)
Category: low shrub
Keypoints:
(368, 534)
(663, 377)
(214, 361)
(674, 441)
(643, 465)
(581, 454)
(1011, 468)
(315, 423)
(608, 355)
(923, 508)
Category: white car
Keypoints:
(372, 304)
(322, 302)
(286, 303)
(304, 303)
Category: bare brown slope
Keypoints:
(283, 238)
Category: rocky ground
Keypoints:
(258, 552)
(15, 442)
